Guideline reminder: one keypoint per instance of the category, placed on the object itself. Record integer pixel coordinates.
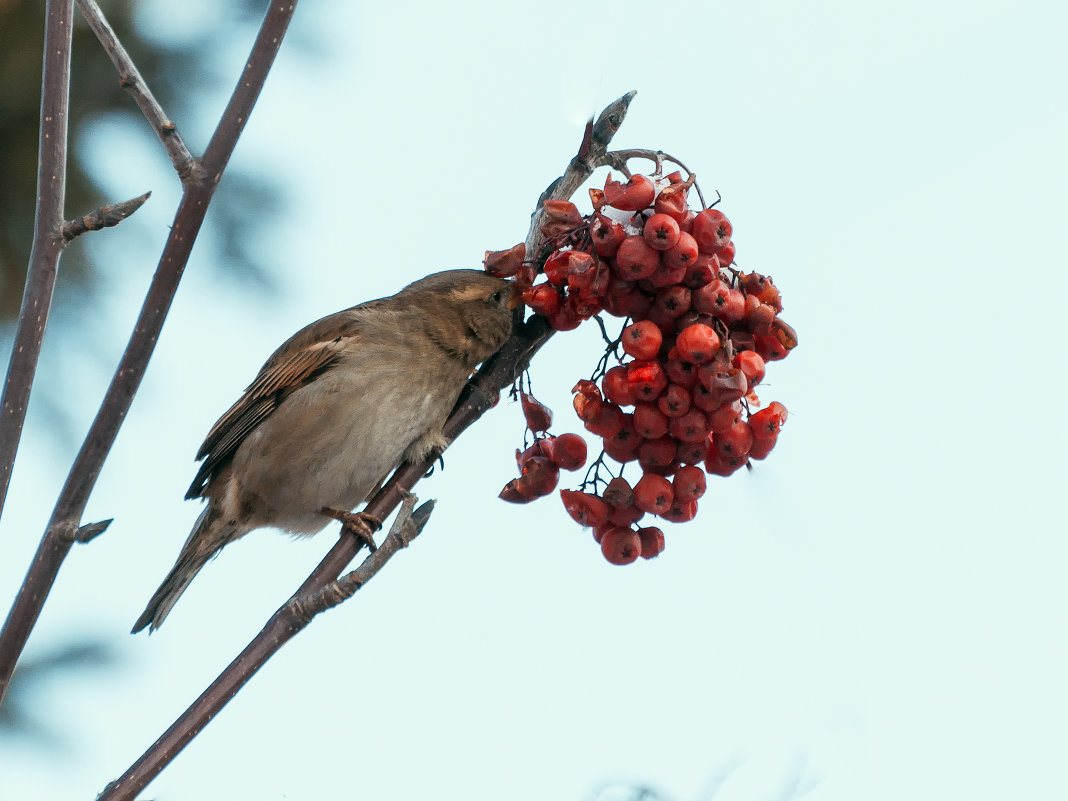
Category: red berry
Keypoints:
(652, 540)
(657, 453)
(623, 445)
(680, 511)
(647, 379)
(642, 340)
(607, 235)
(672, 301)
(712, 230)
(769, 347)
(690, 427)
(721, 464)
(606, 422)
(650, 421)
(616, 385)
(584, 508)
(661, 232)
(634, 195)
(675, 401)
(750, 363)
(692, 452)
(725, 416)
(556, 267)
(683, 253)
(725, 254)
(697, 343)
(568, 451)
(767, 422)
(689, 483)
(713, 298)
(564, 319)
(735, 441)
(762, 447)
(543, 299)
(680, 372)
(635, 259)
(620, 545)
(653, 494)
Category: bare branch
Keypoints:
(323, 588)
(130, 79)
(287, 622)
(199, 189)
(44, 255)
(103, 217)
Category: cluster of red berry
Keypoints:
(701, 335)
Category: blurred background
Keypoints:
(874, 612)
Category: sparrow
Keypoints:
(333, 411)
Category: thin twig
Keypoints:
(480, 394)
(130, 79)
(55, 544)
(46, 249)
(290, 619)
(103, 217)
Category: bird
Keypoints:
(334, 410)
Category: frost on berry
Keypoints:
(671, 400)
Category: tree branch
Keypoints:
(44, 254)
(130, 79)
(323, 588)
(103, 217)
(57, 539)
(284, 624)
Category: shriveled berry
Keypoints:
(505, 263)
(607, 422)
(634, 195)
(584, 508)
(539, 417)
(618, 492)
(513, 494)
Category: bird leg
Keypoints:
(360, 524)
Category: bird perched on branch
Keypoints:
(335, 409)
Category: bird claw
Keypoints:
(360, 524)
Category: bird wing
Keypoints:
(304, 356)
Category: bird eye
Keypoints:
(498, 295)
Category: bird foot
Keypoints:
(360, 524)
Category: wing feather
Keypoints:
(307, 354)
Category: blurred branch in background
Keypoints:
(39, 675)
(198, 181)
(180, 72)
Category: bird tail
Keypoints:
(204, 542)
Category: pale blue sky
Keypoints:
(875, 612)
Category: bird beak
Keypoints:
(516, 298)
